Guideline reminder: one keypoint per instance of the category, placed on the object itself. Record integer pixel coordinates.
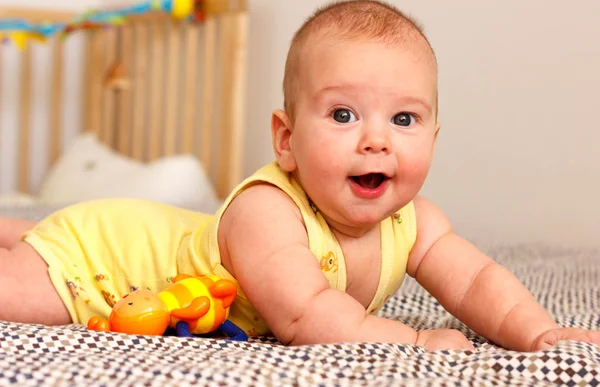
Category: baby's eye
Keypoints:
(343, 116)
(404, 119)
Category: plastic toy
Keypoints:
(191, 305)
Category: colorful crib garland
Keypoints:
(19, 31)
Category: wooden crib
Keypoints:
(153, 87)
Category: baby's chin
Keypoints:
(355, 222)
(365, 218)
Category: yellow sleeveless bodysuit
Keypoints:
(99, 251)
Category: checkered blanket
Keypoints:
(565, 280)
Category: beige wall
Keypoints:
(518, 155)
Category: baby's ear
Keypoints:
(281, 135)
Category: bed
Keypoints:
(125, 114)
(565, 280)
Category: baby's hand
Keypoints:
(550, 338)
(435, 339)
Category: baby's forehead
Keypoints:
(318, 50)
(412, 41)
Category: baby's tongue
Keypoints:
(371, 180)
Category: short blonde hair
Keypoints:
(352, 20)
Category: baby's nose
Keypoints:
(376, 148)
(375, 141)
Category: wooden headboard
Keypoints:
(153, 87)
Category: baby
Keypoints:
(317, 241)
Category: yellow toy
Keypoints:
(180, 9)
(191, 305)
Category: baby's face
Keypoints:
(365, 127)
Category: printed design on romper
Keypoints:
(314, 208)
(101, 277)
(379, 306)
(398, 217)
(76, 290)
(73, 289)
(252, 332)
(329, 263)
(109, 298)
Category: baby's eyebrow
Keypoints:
(408, 100)
(335, 88)
(356, 90)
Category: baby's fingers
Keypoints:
(550, 338)
(587, 336)
(438, 339)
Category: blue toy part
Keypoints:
(233, 332)
(182, 329)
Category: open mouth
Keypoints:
(370, 180)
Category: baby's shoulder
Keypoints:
(432, 224)
(263, 196)
(259, 222)
(258, 205)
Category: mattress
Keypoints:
(564, 279)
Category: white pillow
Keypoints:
(17, 199)
(89, 170)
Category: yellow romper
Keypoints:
(99, 251)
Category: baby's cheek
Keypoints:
(415, 172)
(324, 161)
(417, 161)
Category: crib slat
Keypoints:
(172, 98)
(225, 81)
(208, 82)
(231, 62)
(95, 58)
(190, 74)
(238, 101)
(107, 134)
(125, 94)
(140, 101)
(24, 121)
(156, 90)
(56, 102)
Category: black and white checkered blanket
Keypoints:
(565, 280)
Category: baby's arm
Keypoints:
(478, 291)
(266, 247)
(11, 231)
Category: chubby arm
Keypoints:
(472, 287)
(266, 248)
(11, 231)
